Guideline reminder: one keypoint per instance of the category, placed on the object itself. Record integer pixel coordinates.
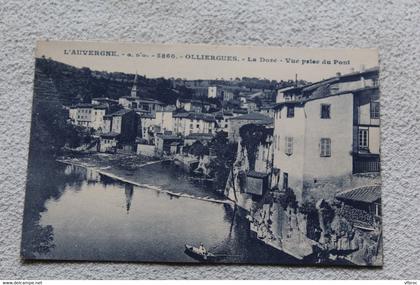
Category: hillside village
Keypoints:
(301, 160)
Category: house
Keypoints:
(144, 148)
(81, 114)
(252, 118)
(326, 131)
(361, 206)
(212, 92)
(267, 110)
(264, 155)
(190, 122)
(175, 147)
(248, 104)
(89, 115)
(222, 118)
(147, 126)
(227, 95)
(164, 119)
(191, 105)
(108, 142)
(123, 122)
(163, 143)
(97, 116)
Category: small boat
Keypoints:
(195, 253)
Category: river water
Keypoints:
(91, 216)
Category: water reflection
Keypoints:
(93, 217)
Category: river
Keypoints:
(90, 216)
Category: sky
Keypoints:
(190, 62)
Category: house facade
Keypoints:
(212, 92)
(108, 142)
(163, 143)
(81, 115)
(164, 120)
(123, 122)
(223, 120)
(188, 123)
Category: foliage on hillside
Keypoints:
(82, 84)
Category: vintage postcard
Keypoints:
(200, 153)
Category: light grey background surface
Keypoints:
(392, 26)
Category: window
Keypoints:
(325, 147)
(363, 138)
(285, 180)
(288, 148)
(275, 140)
(378, 211)
(325, 111)
(290, 111)
(198, 126)
(374, 110)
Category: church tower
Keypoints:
(134, 88)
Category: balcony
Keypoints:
(366, 163)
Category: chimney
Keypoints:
(296, 81)
(338, 74)
(362, 67)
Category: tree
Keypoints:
(225, 153)
(198, 149)
(251, 137)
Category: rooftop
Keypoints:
(146, 115)
(321, 89)
(105, 99)
(168, 137)
(268, 106)
(195, 116)
(240, 111)
(366, 194)
(120, 112)
(256, 174)
(82, 105)
(110, 135)
(100, 106)
(143, 100)
(200, 136)
(253, 117)
(222, 113)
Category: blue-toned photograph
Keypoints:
(204, 154)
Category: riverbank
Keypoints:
(136, 170)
